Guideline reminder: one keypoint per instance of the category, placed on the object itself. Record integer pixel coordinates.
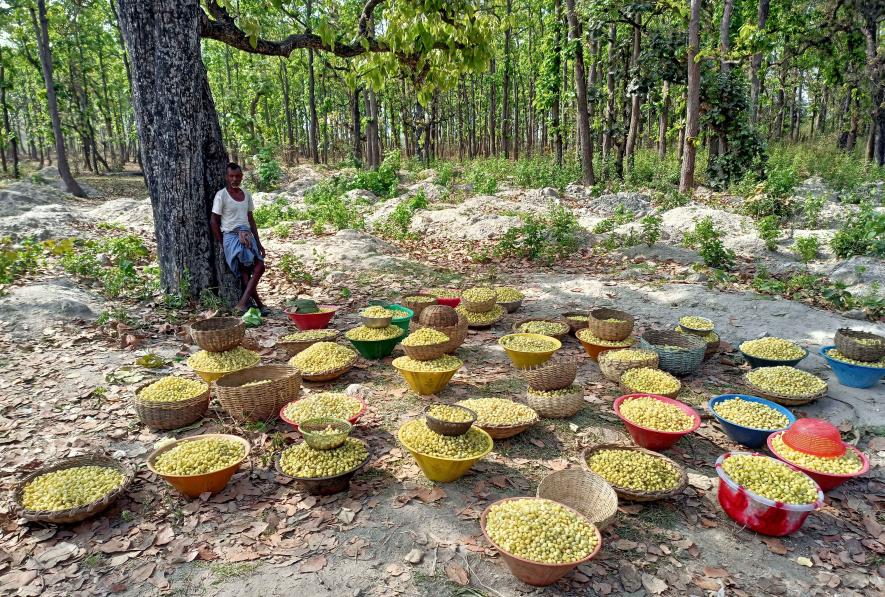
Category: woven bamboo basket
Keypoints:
(427, 352)
(72, 514)
(162, 416)
(291, 348)
(608, 330)
(612, 370)
(846, 343)
(581, 490)
(712, 347)
(575, 324)
(682, 361)
(438, 316)
(628, 390)
(485, 326)
(559, 336)
(457, 333)
(261, 402)
(417, 307)
(450, 428)
(479, 306)
(311, 428)
(557, 407)
(631, 494)
(782, 399)
(555, 374)
(506, 431)
(218, 334)
(330, 375)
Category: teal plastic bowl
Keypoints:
(376, 349)
(401, 321)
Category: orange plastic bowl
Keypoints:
(194, 485)
(537, 574)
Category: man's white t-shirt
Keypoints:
(233, 213)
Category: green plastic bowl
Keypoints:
(376, 349)
(401, 321)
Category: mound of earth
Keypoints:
(475, 219)
(135, 213)
(27, 310)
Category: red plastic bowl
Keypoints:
(651, 439)
(758, 513)
(827, 481)
(537, 574)
(449, 301)
(313, 321)
(352, 420)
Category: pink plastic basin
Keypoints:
(313, 321)
(758, 513)
(827, 481)
(651, 439)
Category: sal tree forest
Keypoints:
(725, 93)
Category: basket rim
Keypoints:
(471, 412)
(101, 459)
(352, 420)
(225, 372)
(726, 478)
(696, 418)
(334, 334)
(483, 522)
(485, 453)
(695, 343)
(484, 325)
(687, 327)
(228, 377)
(865, 461)
(279, 469)
(825, 349)
(627, 342)
(234, 322)
(683, 474)
(810, 396)
(326, 421)
(558, 361)
(852, 334)
(397, 338)
(550, 478)
(455, 370)
(778, 361)
(153, 455)
(604, 356)
(509, 303)
(759, 400)
(158, 403)
(551, 351)
(519, 322)
(630, 317)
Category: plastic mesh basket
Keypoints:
(816, 437)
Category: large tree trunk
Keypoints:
(41, 29)
(182, 151)
(10, 133)
(756, 63)
(636, 99)
(871, 12)
(692, 100)
(588, 177)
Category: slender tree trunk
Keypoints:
(724, 48)
(10, 132)
(692, 101)
(852, 131)
(588, 176)
(506, 124)
(287, 109)
(872, 13)
(756, 63)
(663, 121)
(182, 151)
(355, 122)
(41, 29)
(607, 133)
(822, 112)
(312, 102)
(636, 98)
(372, 138)
(557, 49)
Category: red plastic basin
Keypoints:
(827, 481)
(758, 513)
(313, 321)
(651, 439)
(452, 302)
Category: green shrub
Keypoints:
(549, 236)
(267, 171)
(445, 173)
(863, 233)
(811, 209)
(327, 206)
(603, 226)
(708, 240)
(397, 224)
(807, 248)
(271, 214)
(762, 205)
(18, 259)
(769, 231)
(383, 181)
(670, 199)
(651, 229)
(294, 269)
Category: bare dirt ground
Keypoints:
(66, 384)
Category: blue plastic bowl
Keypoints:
(747, 436)
(853, 376)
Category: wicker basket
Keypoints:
(292, 348)
(511, 306)
(457, 333)
(683, 361)
(608, 330)
(555, 374)
(427, 352)
(557, 407)
(330, 375)
(505, 431)
(581, 490)
(575, 324)
(631, 494)
(846, 343)
(260, 402)
(612, 370)
(72, 514)
(566, 328)
(712, 347)
(320, 441)
(450, 428)
(438, 316)
(416, 306)
(628, 390)
(218, 334)
(781, 398)
(479, 306)
(162, 416)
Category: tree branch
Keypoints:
(366, 16)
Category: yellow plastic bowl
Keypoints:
(424, 383)
(524, 360)
(445, 470)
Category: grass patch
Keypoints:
(222, 571)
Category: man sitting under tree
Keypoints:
(233, 226)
